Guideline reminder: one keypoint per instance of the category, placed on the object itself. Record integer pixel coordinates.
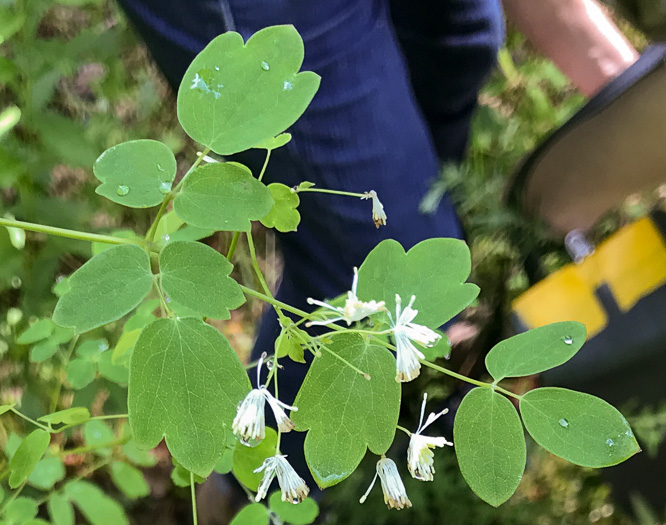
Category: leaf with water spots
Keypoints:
(343, 412)
(284, 216)
(236, 95)
(185, 384)
(136, 174)
(536, 350)
(105, 288)
(490, 445)
(578, 427)
(222, 196)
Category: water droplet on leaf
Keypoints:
(165, 187)
(610, 442)
(563, 423)
(16, 282)
(217, 68)
(122, 190)
(287, 86)
(567, 340)
(103, 346)
(265, 66)
(166, 237)
(167, 299)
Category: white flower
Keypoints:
(294, 489)
(407, 355)
(249, 425)
(354, 310)
(419, 456)
(378, 214)
(395, 495)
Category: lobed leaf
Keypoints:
(284, 215)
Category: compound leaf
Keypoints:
(235, 95)
(185, 384)
(343, 411)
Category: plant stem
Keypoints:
(63, 232)
(150, 235)
(262, 280)
(271, 300)
(333, 192)
(12, 497)
(263, 168)
(65, 427)
(56, 395)
(91, 448)
(30, 420)
(195, 521)
(232, 246)
(192, 168)
(404, 430)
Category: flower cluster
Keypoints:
(293, 487)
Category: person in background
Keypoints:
(400, 80)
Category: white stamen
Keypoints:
(420, 459)
(395, 495)
(294, 489)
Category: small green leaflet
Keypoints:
(29, 452)
(226, 462)
(185, 384)
(287, 345)
(96, 433)
(284, 216)
(47, 473)
(247, 459)
(197, 276)
(20, 511)
(36, 332)
(71, 416)
(80, 373)
(357, 413)
(6, 408)
(60, 510)
(43, 351)
(235, 95)
(96, 507)
(275, 142)
(92, 349)
(490, 445)
(129, 480)
(113, 372)
(578, 427)
(125, 344)
(105, 288)
(222, 196)
(136, 174)
(302, 514)
(252, 514)
(434, 271)
(536, 350)
(143, 458)
(182, 477)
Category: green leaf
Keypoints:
(286, 344)
(303, 513)
(284, 216)
(60, 510)
(61, 335)
(185, 384)
(6, 408)
(222, 196)
(125, 344)
(36, 332)
(129, 480)
(71, 416)
(578, 427)
(181, 476)
(92, 349)
(136, 174)
(226, 462)
(105, 288)
(252, 514)
(29, 452)
(247, 459)
(441, 348)
(343, 411)
(197, 276)
(47, 473)
(96, 507)
(434, 271)
(20, 510)
(275, 142)
(80, 373)
(99, 247)
(536, 350)
(143, 458)
(43, 351)
(116, 373)
(97, 433)
(490, 445)
(234, 96)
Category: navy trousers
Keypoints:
(399, 85)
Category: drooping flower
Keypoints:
(419, 456)
(405, 331)
(395, 495)
(249, 425)
(294, 489)
(378, 213)
(353, 310)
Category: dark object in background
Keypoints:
(647, 15)
(612, 147)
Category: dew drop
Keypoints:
(167, 299)
(165, 187)
(103, 346)
(287, 86)
(122, 190)
(265, 66)
(217, 68)
(563, 423)
(16, 282)
(166, 238)
(567, 340)
(629, 433)
(610, 442)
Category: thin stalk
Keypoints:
(66, 427)
(30, 420)
(56, 395)
(271, 300)
(333, 192)
(404, 430)
(150, 234)
(195, 520)
(260, 276)
(63, 232)
(192, 168)
(263, 168)
(12, 497)
(232, 246)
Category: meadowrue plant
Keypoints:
(186, 385)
